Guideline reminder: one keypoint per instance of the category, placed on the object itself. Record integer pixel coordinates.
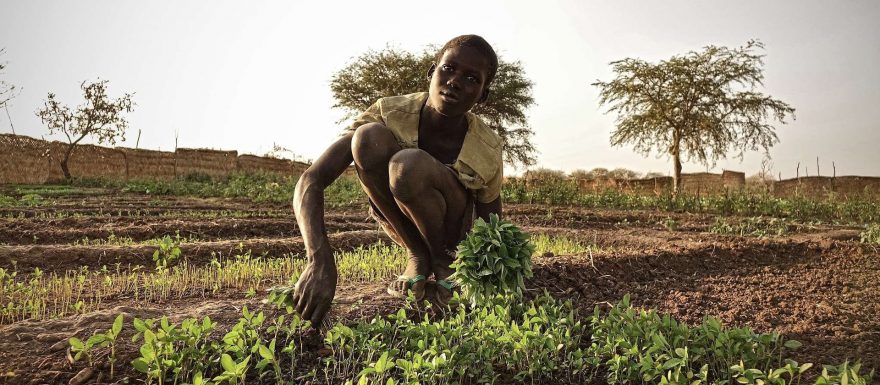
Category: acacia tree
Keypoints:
(99, 117)
(6, 90)
(701, 105)
(390, 72)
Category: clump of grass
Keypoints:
(561, 245)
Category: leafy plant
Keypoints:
(871, 234)
(494, 259)
(104, 339)
(167, 253)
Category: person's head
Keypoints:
(461, 74)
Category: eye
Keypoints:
(446, 68)
(473, 79)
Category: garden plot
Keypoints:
(816, 283)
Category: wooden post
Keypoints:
(797, 173)
(138, 141)
(817, 167)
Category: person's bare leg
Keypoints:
(372, 147)
(433, 199)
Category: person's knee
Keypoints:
(372, 145)
(408, 172)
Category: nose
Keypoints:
(452, 82)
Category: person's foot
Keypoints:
(413, 279)
(445, 287)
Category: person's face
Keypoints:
(458, 80)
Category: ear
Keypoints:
(431, 71)
(484, 97)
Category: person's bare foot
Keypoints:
(413, 278)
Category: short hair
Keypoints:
(478, 43)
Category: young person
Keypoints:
(428, 166)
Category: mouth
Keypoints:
(449, 96)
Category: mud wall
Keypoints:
(696, 184)
(26, 160)
(825, 186)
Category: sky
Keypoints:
(249, 75)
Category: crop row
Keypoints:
(496, 341)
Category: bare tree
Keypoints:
(7, 91)
(701, 105)
(99, 117)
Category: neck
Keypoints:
(438, 121)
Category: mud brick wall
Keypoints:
(148, 164)
(86, 161)
(23, 160)
(253, 163)
(825, 186)
(211, 162)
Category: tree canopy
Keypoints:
(701, 105)
(99, 117)
(390, 72)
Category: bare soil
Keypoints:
(819, 286)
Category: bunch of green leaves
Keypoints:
(495, 258)
(83, 348)
(168, 251)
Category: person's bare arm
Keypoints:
(316, 286)
(484, 209)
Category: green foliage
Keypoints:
(524, 342)
(168, 252)
(871, 234)
(752, 227)
(84, 348)
(26, 200)
(566, 192)
(700, 105)
(256, 187)
(390, 72)
(645, 347)
(494, 259)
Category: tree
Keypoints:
(390, 72)
(622, 173)
(700, 105)
(7, 91)
(100, 117)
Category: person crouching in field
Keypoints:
(428, 166)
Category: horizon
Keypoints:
(229, 76)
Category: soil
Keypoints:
(818, 285)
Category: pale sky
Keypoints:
(244, 75)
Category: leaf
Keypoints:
(75, 343)
(227, 363)
(117, 326)
(793, 344)
(141, 365)
(265, 353)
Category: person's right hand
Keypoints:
(314, 291)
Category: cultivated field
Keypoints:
(73, 258)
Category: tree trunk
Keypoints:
(676, 174)
(64, 168)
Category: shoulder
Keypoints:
(411, 103)
(486, 134)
